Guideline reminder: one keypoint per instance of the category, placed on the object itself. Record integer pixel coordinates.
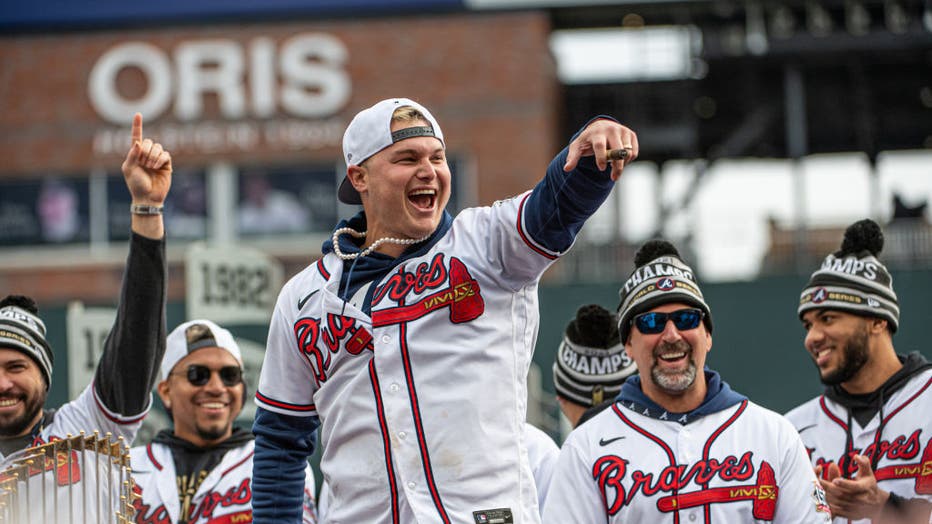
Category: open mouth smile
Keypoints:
(423, 199)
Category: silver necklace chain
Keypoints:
(356, 234)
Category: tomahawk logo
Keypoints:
(762, 494)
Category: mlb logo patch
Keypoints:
(493, 516)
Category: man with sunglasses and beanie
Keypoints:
(678, 444)
(119, 396)
(200, 470)
(410, 340)
(869, 434)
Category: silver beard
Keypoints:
(677, 382)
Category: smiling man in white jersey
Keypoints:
(869, 435)
(409, 342)
(678, 444)
(199, 471)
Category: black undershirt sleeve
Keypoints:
(135, 346)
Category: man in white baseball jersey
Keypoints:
(200, 471)
(679, 445)
(591, 364)
(869, 435)
(119, 397)
(409, 342)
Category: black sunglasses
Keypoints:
(199, 375)
(654, 322)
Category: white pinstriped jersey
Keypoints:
(741, 464)
(904, 442)
(87, 413)
(542, 453)
(223, 497)
(422, 403)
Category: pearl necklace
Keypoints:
(356, 234)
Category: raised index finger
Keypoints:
(137, 128)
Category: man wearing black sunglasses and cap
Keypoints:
(679, 445)
(200, 471)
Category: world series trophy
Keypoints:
(82, 479)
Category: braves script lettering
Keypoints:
(336, 330)
(609, 471)
(426, 276)
(240, 495)
(898, 448)
(235, 496)
(145, 514)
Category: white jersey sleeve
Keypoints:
(542, 453)
(287, 382)
(510, 255)
(88, 414)
(801, 498)
(573, 498)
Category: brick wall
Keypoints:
(488, 78)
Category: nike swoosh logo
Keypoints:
(305, 299)
(605, 442)
(810, 426)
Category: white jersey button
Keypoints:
(410, 485)
(386, 339)
(394, 387)
(402, 435)
(692, 516)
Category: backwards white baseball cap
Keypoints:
(194, 335)
(371, 131)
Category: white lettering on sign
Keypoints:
(102, 87)
(210, 66)
(290, 134)
(304, 77)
